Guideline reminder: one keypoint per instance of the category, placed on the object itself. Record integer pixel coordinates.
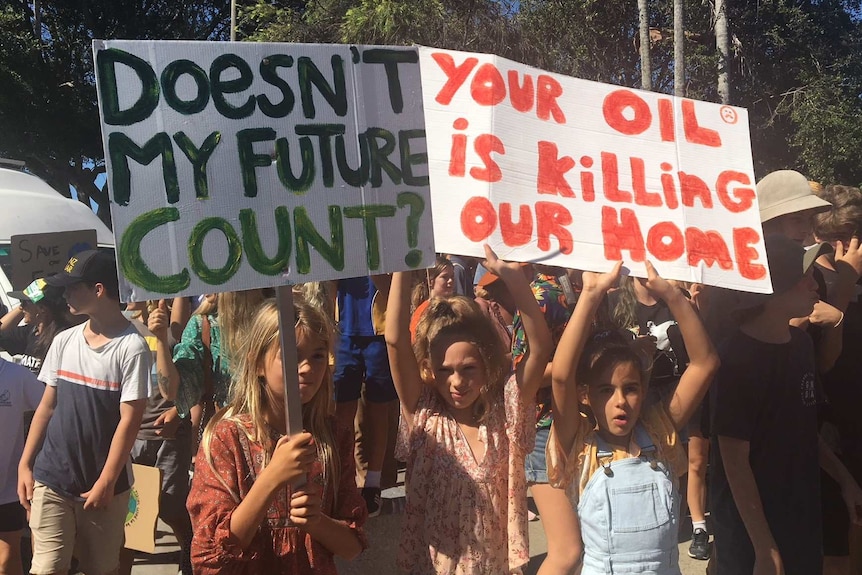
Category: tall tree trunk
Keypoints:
(646, 69)
(678, 49)
(722, 41)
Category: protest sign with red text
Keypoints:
(553, 169)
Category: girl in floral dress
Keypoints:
(249, 516)
(469, 426)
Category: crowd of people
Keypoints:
(617, 403)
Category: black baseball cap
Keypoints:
(37, 291)
(93, 266)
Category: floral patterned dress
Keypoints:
(465, 516)
(276, 548)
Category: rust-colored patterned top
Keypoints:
(276, 548)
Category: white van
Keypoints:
(28, 205)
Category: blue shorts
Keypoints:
(536, 465)
(359, 359)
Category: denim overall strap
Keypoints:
(629, 513)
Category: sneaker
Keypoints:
(371, 495)
(699, 548)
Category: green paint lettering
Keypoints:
(172, 73)
(390, 59)
(253, 248)
(323, 133)
(307, 234)
(359, 176)
(249, 160)
(221, 87)
(121, 148)
(135, 269)
(369, 214)
(379, 157)
(309, 75)
(269, 73)
(199, 159)
(301, 184)
(106, 61)
(409, 159)
(234, 251)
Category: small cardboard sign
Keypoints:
(143, 508)
(36, 256)
(234, 166)
(558, 170)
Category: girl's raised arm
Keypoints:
(402, 361)
(703, 359)
(566, 400)
(531, 370)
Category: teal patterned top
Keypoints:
(189, 356)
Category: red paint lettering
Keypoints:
(588, 187)
(611, 181)
(622, 234)
(695, 133)
(665, 251)
(546, 99)
(456, 75)
(619, 100)
(478, 219)
(485, 145)
(692, 187)
(742, 197)
(521, 95)
(707, 247)
(457, 155)
(516, 234)
(487, 87)
(552, 171)
(551, 219)
(642, 196)
(665, 118)
(746, 255)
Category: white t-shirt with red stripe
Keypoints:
(90, 383)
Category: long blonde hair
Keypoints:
(249, 393)
(236, 309)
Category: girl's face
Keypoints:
(444, 284)
(616, 400)
(458, 373)
(797, 226)
(312, 360)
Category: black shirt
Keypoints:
(766, 394)
(22, 340)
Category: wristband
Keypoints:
(839, 321)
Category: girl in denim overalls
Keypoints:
(622, 474)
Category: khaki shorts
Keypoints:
(62, 528)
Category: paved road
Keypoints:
(379, 559)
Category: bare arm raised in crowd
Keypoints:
(168, 377)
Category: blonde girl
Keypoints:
(248, 512)
(469, 427)
(622, 474)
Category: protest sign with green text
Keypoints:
(243, 165)
(563, 171)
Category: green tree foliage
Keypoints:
(48, 113)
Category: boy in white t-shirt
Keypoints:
(20, 393)
(73, 473)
